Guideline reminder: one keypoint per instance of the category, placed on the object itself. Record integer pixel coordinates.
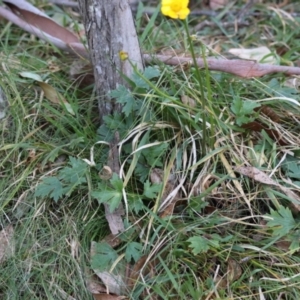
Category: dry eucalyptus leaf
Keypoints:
(156, 176)
(6, 243)
(256, 174)
(260, 176)
(38, 19)
(234, 270)
(136, 270)
(55, 97)
(260, 54)
(34, 21)
(283, 245)
(168, 210)
(114, 283)
(190, 102)
(93, 283)
(50, 92)
(113, 240)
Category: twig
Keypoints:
(242, 68)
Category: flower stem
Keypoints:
(199, 79)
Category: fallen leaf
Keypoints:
(6, 243)
(168, 210)
(82, 71)
(114, 283)
(256, 174)
(234, 270)
(260, 54)
(50, 92)
(190, 102)
(274, 134)
(74, 47)
(95, 287)
(261, 177)
(269, 112)
(38, 19)
(55, 97)
(283, 245)
(135, 272)
(112, 240)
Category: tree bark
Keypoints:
(110, 29)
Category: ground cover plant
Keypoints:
(209, 163)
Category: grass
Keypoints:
(198, 229)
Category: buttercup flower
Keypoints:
(176, 9)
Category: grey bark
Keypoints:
(110, 29)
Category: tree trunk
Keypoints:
(110, 29)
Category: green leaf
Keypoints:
(243, 110)
(292, 167)
(153, 155)
(50, 187)
(248, 106)
(141, 171)
(135, 203)
(139, 81)
(282, 221)
(104, 256)
(294, 238)
(112, 194)
(111, 197)
(236, 105)
(75, 174)
(124, 97)
(133, 251)
(198, 244)
(151, 72)
(116, 182)
(151, 191)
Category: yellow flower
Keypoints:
(123, 55)
(176, 9)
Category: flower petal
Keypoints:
(183, 13)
